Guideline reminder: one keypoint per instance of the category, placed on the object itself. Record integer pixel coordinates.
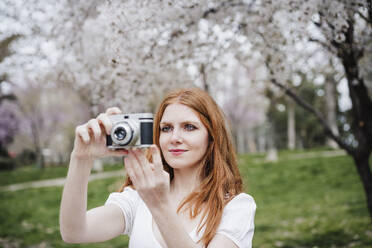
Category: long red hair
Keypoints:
(219, 174)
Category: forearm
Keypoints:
(74, 197)
(171, 228)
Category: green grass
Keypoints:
(316, 202)
(30, 217)
(32, 173)
(313, 202)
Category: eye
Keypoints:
(165, 129)
(190, 127)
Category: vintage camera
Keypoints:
(130, 130)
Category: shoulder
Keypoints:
(241, 207)
(242, 201)
(128, 201)
(128, 190)
(237, 221)
(127, 194)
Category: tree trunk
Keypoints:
(331, 109)
(240, 140)
(252, 147)
(361, 111)
(364, 171)
(40, 162)
(291, 125)
(204, 78)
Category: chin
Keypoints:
(180, 164)
(177, 165)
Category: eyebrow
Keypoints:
(183, 122)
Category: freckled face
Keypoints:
(183, 137)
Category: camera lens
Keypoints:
(120, 133)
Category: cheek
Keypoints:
(162, 141)
(201, 140)
(205, 143)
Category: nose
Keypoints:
(176, 136)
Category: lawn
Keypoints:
(312, 202)
(30, 217)
(317, 202)
(32, 173)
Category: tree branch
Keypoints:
(214, 10)
(369, 8)
(4, 46)
(330, 25)
(324, 45)
(289, 92)
(366, 19)
(10, 97)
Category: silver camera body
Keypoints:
(130, 130)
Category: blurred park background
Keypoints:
(293, 77)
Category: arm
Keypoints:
(77, 225)
(176, 236)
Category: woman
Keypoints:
(187, 194)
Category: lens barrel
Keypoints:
(120, 133)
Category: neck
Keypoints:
(184, 181)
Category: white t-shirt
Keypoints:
(237, 221)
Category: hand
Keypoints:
(149, 179)
(90, 138)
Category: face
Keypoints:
(183, 137)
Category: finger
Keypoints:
(140, 156)
(129, 168)
(156, 159)
(140, 163)
(118, 153)
(94, 128)
(83, 134)
(113, 111)
(143, 162)
(135, 167)
(105, 122)
(166, 176)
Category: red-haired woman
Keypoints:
(188, 193)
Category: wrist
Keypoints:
(161, 209)
(81, 157)
(81, 161)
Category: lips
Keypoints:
(177, 152)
